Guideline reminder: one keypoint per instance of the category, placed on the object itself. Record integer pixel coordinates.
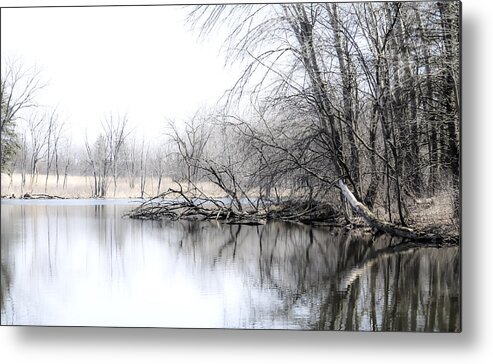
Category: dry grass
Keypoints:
(434, 214)
(80, 187)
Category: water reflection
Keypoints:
(79, 264)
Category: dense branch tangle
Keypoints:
(176, 204)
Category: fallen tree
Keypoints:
(389, 228)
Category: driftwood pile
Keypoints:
(44, 196)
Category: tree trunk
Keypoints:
(344, 66)
(372, 220)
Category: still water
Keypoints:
(80, 263)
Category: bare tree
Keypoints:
(18, 88)
(98, 161)
(190, 144)
(115, 131)
(64, 160)
(144, 155)
(103, 155)
(54, 131)
(159, 161)
(38, 137)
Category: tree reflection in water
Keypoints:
(278, 275)
(329, 279)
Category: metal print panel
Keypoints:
(247, 166)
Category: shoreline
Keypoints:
(433, 231)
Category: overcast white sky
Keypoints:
(143, 61)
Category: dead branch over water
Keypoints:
(176, 204)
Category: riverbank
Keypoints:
(432, 221)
